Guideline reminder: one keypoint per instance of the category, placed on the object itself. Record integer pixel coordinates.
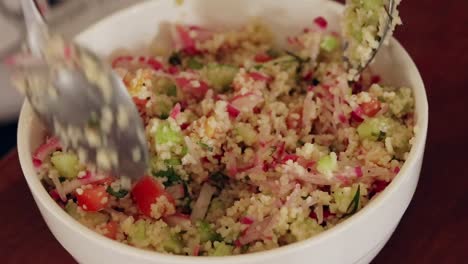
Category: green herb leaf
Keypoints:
(297, 57)
(171, 176)
(205, 146)
(119, 194)
(354, 204)
(273, 53)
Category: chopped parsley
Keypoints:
(171, 176)
(354, 204)
(118, 194)
(205, 146)
(194, 64)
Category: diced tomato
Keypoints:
(155, 64)
(146, 192)
(262, 57)
(321, 22)
(111, 229)
(197, 88)
(371, 108)
(140, 103)
(92, 199)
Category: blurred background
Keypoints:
(68, 17)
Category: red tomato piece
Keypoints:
(146, 192)
(92, 199)
(112, 228)
(371, 108)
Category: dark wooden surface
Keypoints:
(435, 226)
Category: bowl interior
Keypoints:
(137, 26)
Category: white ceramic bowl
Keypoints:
(356, 240)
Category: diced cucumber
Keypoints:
(173, 162)
(95, 218)
(247, 133)
(346, 199)
(72, 209)
(164, 86)
(402, 103)
(219, 76)
(67, 164)
(162, 107)
(88, 218)
(173, 243)
(376, 128)
(165, 134)
(221, 249)
(372, 4)
(206, 232)
(171, 176)
(137, 235)
(304, 228)
(171, 90)
(194, 64)
(329, 43)
(327, 164)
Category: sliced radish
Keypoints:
(43, 151)
(178, 219)
(246, 102)
(260, 77)
(194, 87)
(232, 111)
(175, 112)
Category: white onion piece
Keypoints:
(203, 202)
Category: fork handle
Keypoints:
(37, 31)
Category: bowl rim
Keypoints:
(41, 196)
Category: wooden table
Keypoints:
(435, 226)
